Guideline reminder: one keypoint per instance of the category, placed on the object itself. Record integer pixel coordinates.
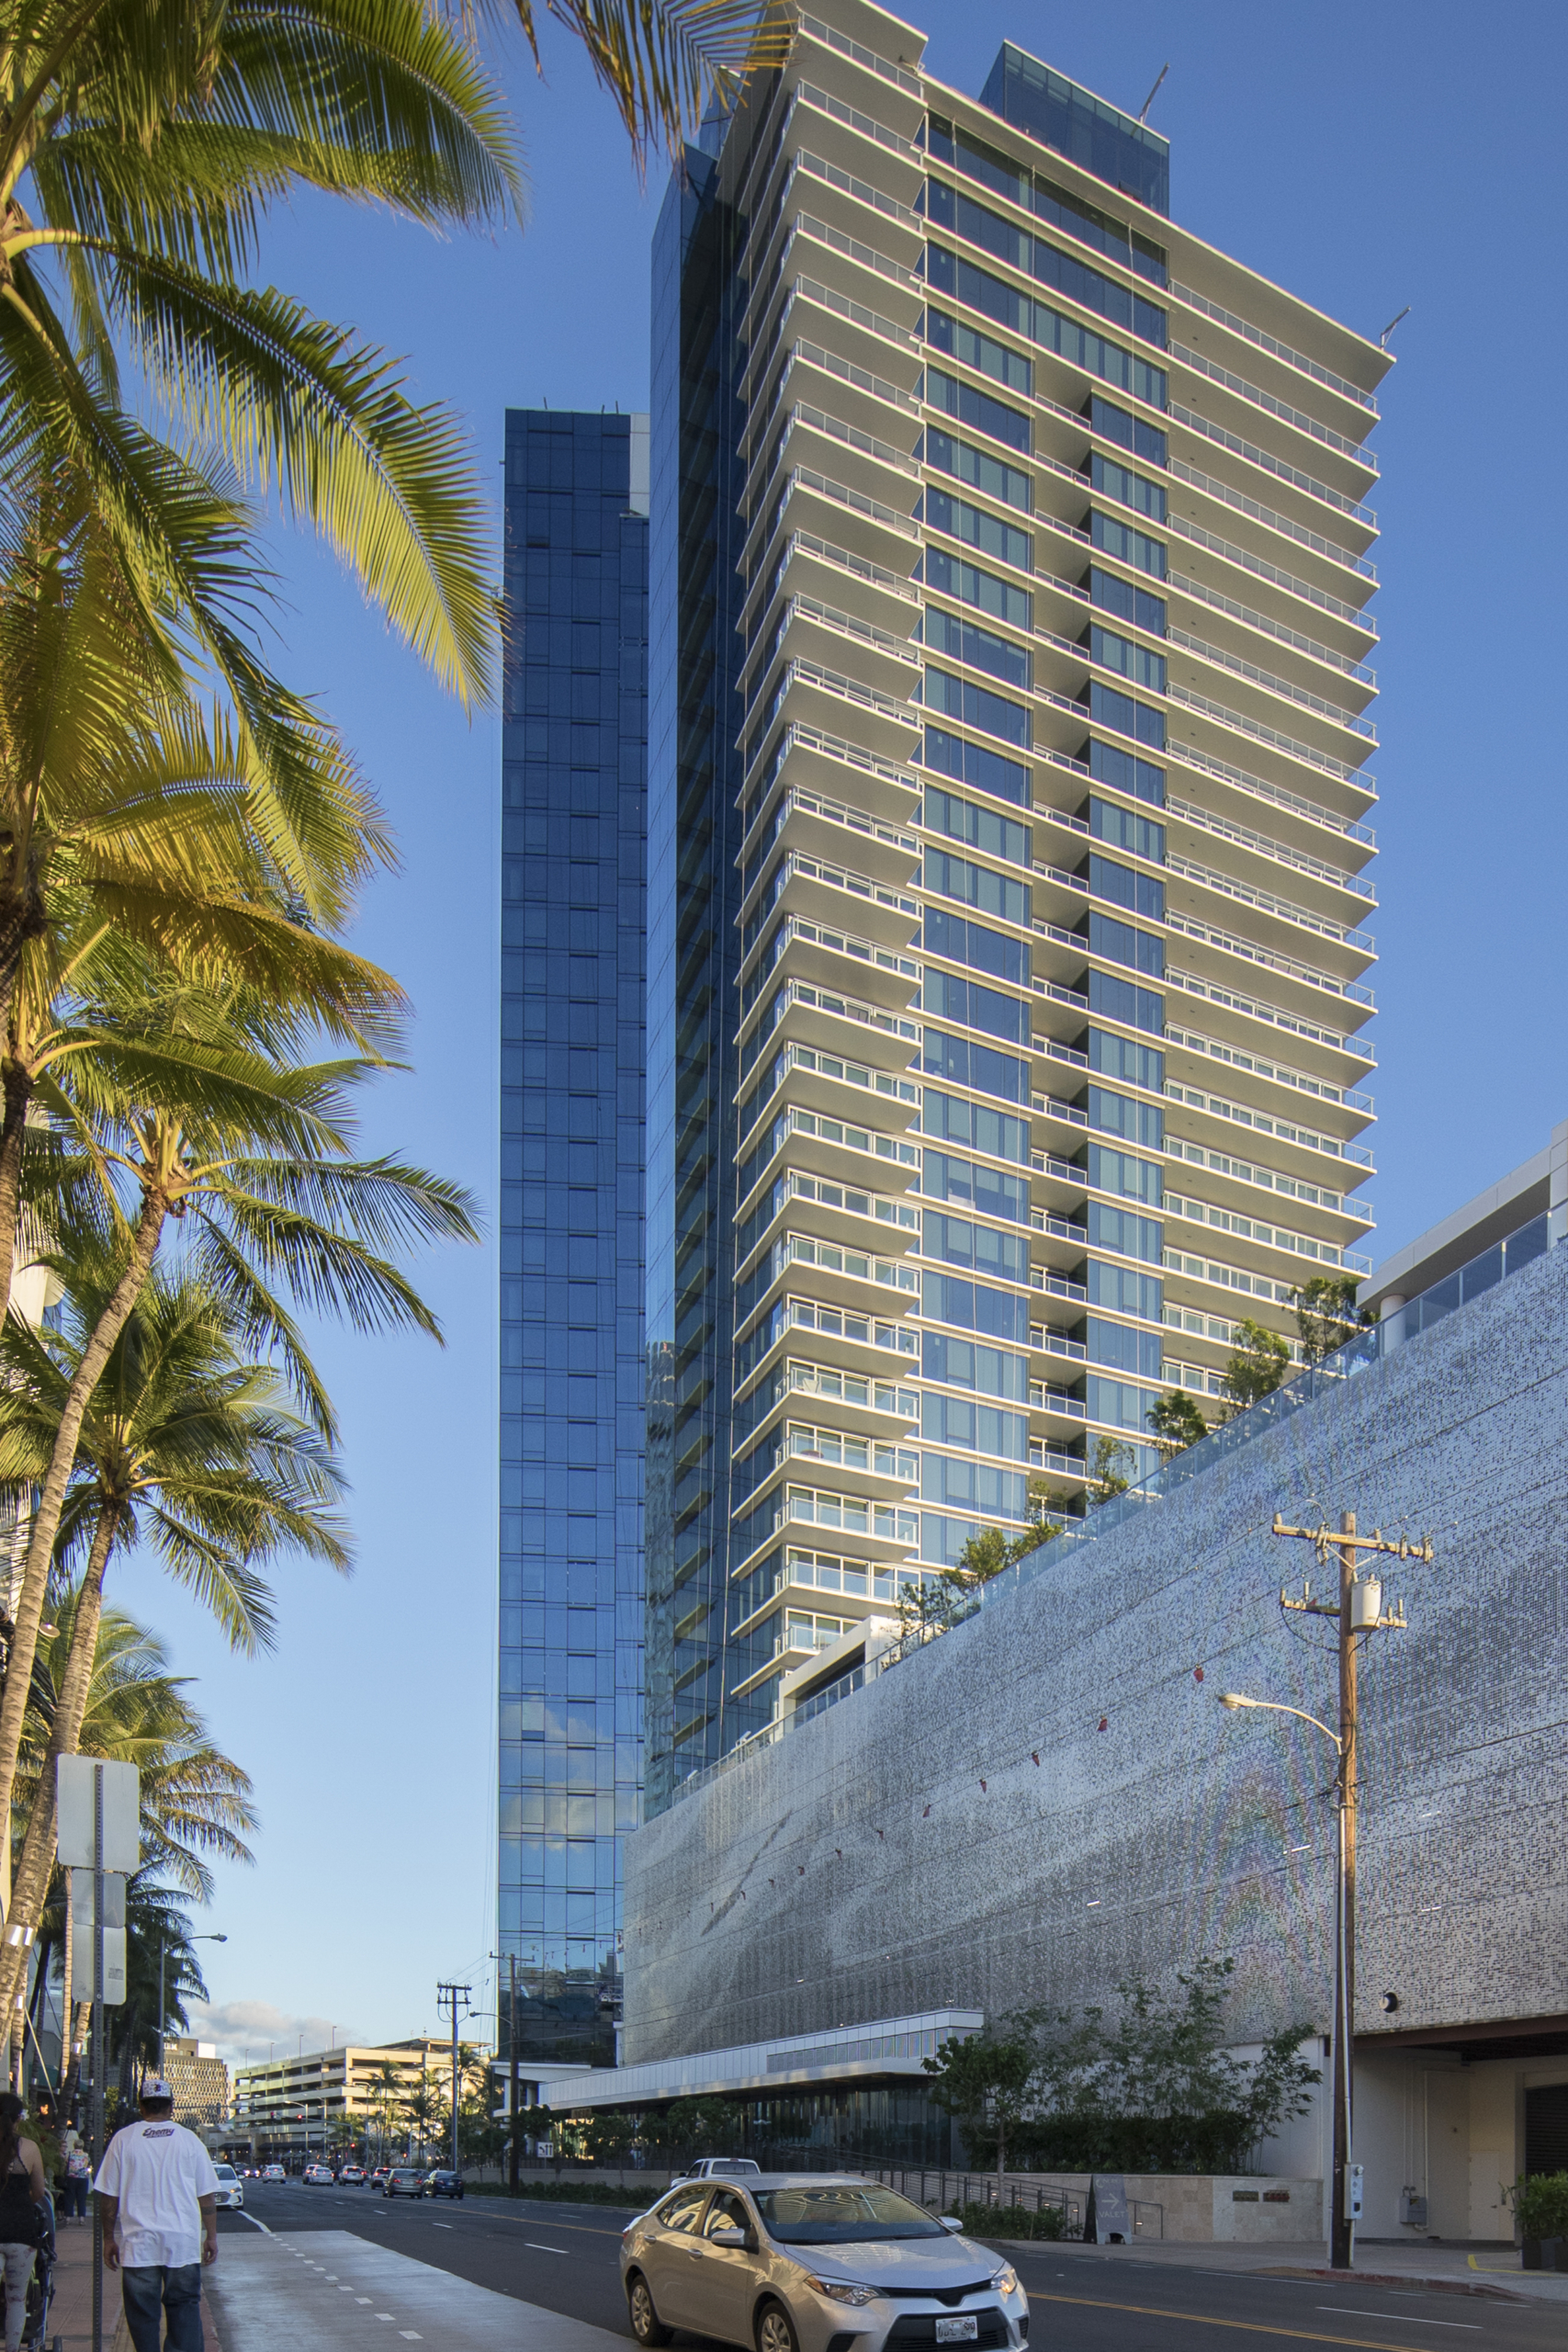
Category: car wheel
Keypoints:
(775, 2330)
(647, 2325)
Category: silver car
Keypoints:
(813, 2262)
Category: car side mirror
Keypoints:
(951, 2222)
(736, 2238)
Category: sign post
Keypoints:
(98, 1828)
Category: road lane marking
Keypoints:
(1208, 2319)
(251, 2219)
(1404, 2319)
(441, 2225)
(543, 2249)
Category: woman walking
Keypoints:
(22, 2209)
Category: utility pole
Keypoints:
(513, 2145)
(1357, 1610)
(454, 1994)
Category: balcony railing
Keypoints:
(1229, 496)
(1280, 351)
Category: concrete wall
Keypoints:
(907, 1848)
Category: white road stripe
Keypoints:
(1404, 2319)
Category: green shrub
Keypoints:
(1542, 2203)
(1014, 2221)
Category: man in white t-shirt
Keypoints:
(159, 2196)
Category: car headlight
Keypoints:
(838, 2290)
(1005, 2280)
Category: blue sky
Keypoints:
(1366, 159)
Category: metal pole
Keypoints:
(96, 2109)
(454, 2078)
(515, 2087)
(1342, 2242)
(163, 2003)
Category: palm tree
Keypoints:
(129, 815)
(139, 157)
(138, 154)
(659, 60)
(183, 1446)
(196, 1801)
(181, 1100)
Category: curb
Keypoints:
(1443, 2285)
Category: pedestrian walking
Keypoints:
(159, 2196)
(22, 2212)
(74, 2185)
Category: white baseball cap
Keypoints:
(156, 2087)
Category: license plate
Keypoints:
(958, 2331)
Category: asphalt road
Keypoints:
(565, 2256)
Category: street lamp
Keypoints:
(1339, 2237)
(163, 1951)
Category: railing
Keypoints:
(1228, 495)
(1281, 351)
(949, 2191)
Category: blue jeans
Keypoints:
(179, 2290)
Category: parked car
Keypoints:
(789, 2257)
(230, 2189)
(403, 2180)
(444, 2184)
(318, 2175)
(720, 2169)
(352, 2176)
(273, 2172)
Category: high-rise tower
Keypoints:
(1008, 835)
(573, 780)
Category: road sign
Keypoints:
(84, 1982)
(82, 1906)
(74, 1813)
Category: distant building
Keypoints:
(199, 2078)
(291, 2105)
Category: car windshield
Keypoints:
(224, 2172)
(839, 2213)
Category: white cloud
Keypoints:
(246, 2031)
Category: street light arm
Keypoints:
(1236, 1698)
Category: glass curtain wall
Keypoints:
(694, 953)
(572, 866)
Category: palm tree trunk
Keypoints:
(46, 1520)
(29, 1887)
(19, 1089)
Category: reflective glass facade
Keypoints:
(693, 952)
(572, 926)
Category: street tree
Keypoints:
(984, 2082)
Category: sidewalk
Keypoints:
(327, 2290)
(1494, 2273)
(71, 2310)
